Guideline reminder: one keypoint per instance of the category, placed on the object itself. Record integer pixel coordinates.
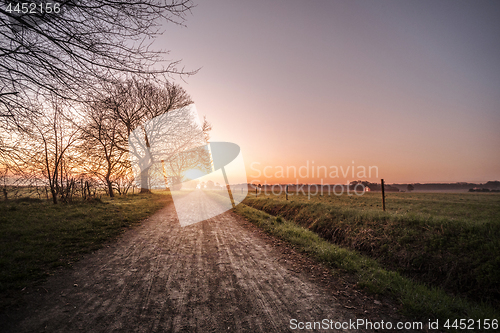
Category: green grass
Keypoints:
(451, 241)
(36, 236)
(418, 300)
(463, 207)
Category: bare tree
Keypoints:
(73, 46)
(123, 178)
(140, 107)
(169, 145)
(47, 149)
(177, 159)
(135, 101)
(102, 147)
(9, 157)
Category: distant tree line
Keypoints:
(482, 190)
(375, 186)
(459, 186)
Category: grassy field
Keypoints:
(465, 207)
(445, 241)
(36, 236)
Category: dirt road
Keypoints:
(219, 275)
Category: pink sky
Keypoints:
(410, 87)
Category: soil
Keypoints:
(220, 275)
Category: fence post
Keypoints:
(256, 192)
(286, 191)
(383, 194)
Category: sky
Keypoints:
(409, 88)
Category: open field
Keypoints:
(446, 240)
(36, 236)
(416, 299)
(466, 207)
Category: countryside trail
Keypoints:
(219, 275)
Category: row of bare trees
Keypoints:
(75, 83)
(67, 148)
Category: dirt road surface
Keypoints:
(219, 275)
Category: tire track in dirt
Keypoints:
(219, 275)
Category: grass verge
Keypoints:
(460, 255)
(418, 300)
(37, 237)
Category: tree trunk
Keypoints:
(145, 181)
(54, 196)
(110, 188)
(146, 162)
